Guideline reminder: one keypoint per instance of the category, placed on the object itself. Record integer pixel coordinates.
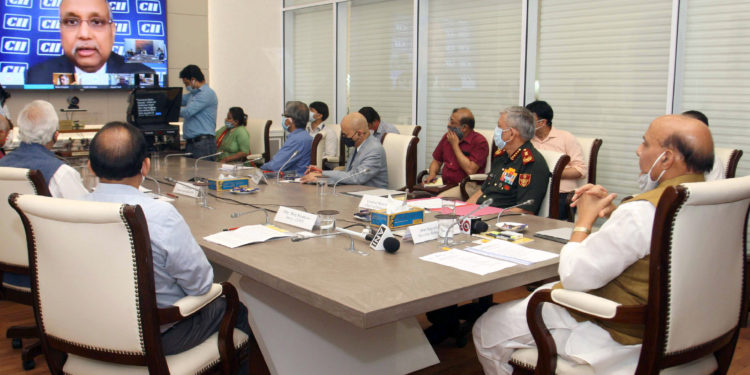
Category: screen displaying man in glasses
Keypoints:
(87, 34)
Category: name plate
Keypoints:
(184, 188)
(296, 218)
(373, 202)
(422, 232)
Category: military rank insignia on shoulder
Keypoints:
(526, 156)
(499, 152)
(524, 179)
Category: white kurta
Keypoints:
(584, 266)
(66, 183)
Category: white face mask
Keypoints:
(645, 182)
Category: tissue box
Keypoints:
(227, 183)
(397, 220)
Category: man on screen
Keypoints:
(87, 34)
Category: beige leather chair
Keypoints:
(401, 157)
(697, 288)
(556, 162)
(14, 257)
(590, 148)
(409, 129)
(92, 273)
(260, 146)
(730, 157)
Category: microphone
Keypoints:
(484, 204)
(529, 201)
(195, 168)
(158, 186)
(378, 241)
(184, 154)
(351, 247)
(235, 215)
(359, 172)
(278, 174)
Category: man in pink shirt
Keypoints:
(554, 139)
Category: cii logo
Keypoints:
(16, 22)
(17, 46)
(48, 47)
(13, 67)
(122, 27)
(148, 7)
(150, 28)
(50, 4)
(49, 24)
(118, 6)
(18, 3)
(119, 48)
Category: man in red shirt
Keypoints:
(461, 152)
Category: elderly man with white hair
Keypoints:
(37, 129)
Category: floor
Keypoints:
(452, 360)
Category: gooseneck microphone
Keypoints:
(390, 244)
(235, 215)
(351, 247)
(281, 170)
(484, 205)
(359, 172)
(158, 186)
(528, 201)
(170, 155)
(195, 168)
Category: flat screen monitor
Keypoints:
(154, 106)
(39, 49)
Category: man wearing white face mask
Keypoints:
(612, 263)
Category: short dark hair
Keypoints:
(371, 115)
(466, 120)
(542, 110)
(321, 108)
(698, 115)
(694, 160)
(192, 71)
(4, 95)
(115, 157)
(238, 115)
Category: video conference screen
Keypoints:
(150, 106)
(72, 44)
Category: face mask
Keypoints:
(348, 142)
(283, 124)
(457, 131)
(538, 127)
(228, 124)
(645, 182)
(498, 137)
(312, 117)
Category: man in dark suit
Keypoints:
(87, 33)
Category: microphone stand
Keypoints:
(460, 219)
(195, 168)
(170, 155)
(365, 170)
(281, 170)
(351, 247)
(158, 186)
(238, 214)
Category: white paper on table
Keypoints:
(466, 261)
(185, 188)
(511, 252)
(296, 218)
(246, 235)
(427, 203)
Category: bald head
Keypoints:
(117, 151)
(687, 136)
(354, 126)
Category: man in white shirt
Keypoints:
(611, 263)
(37, 130)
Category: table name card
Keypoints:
(296, 218)
(185, 188)
(373, 202)
(422, 232)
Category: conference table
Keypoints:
(316, 308)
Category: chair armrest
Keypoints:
(331, 159)
(585, 303)
(476, 178)
(188, 305)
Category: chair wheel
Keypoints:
(29, 365)
(16, 343)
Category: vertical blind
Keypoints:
(380, 58)
(603, 67)
(473, 60)
(310, 77)
(716, 78)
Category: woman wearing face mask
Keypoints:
(233, 140)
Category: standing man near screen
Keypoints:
(199, 113)
(87, 34)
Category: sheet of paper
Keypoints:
(377, 192)
(296, 218)
(426, 203)
(246, 235)
(466, 261)
(511, 252)
(438, 183)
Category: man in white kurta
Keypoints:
(593, 262)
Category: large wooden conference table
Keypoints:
(316, 308)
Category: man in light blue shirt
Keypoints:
(118, 157)
(199, 113)
(294, 155)
(377, 128)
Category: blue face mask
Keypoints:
(312, 117)
(283, 124)
(498, 137)
(228, 124)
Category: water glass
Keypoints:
(327, 221)
(445, 224)
(322, 184)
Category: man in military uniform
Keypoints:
(519, 172)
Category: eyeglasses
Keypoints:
(96, 23)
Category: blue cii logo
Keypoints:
(122, 27)
(119, 48)
(119, 6)
(150, 28)
(17, 46)
(49, 24)
(18, 3)
(50, 4)
(13, 67)
(16, 22)
(48, 47)
(148, 7)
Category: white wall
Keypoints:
(187, 34)
(245, 56)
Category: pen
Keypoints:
(172, 195)
(228, 229)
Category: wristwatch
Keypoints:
(582, 229)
